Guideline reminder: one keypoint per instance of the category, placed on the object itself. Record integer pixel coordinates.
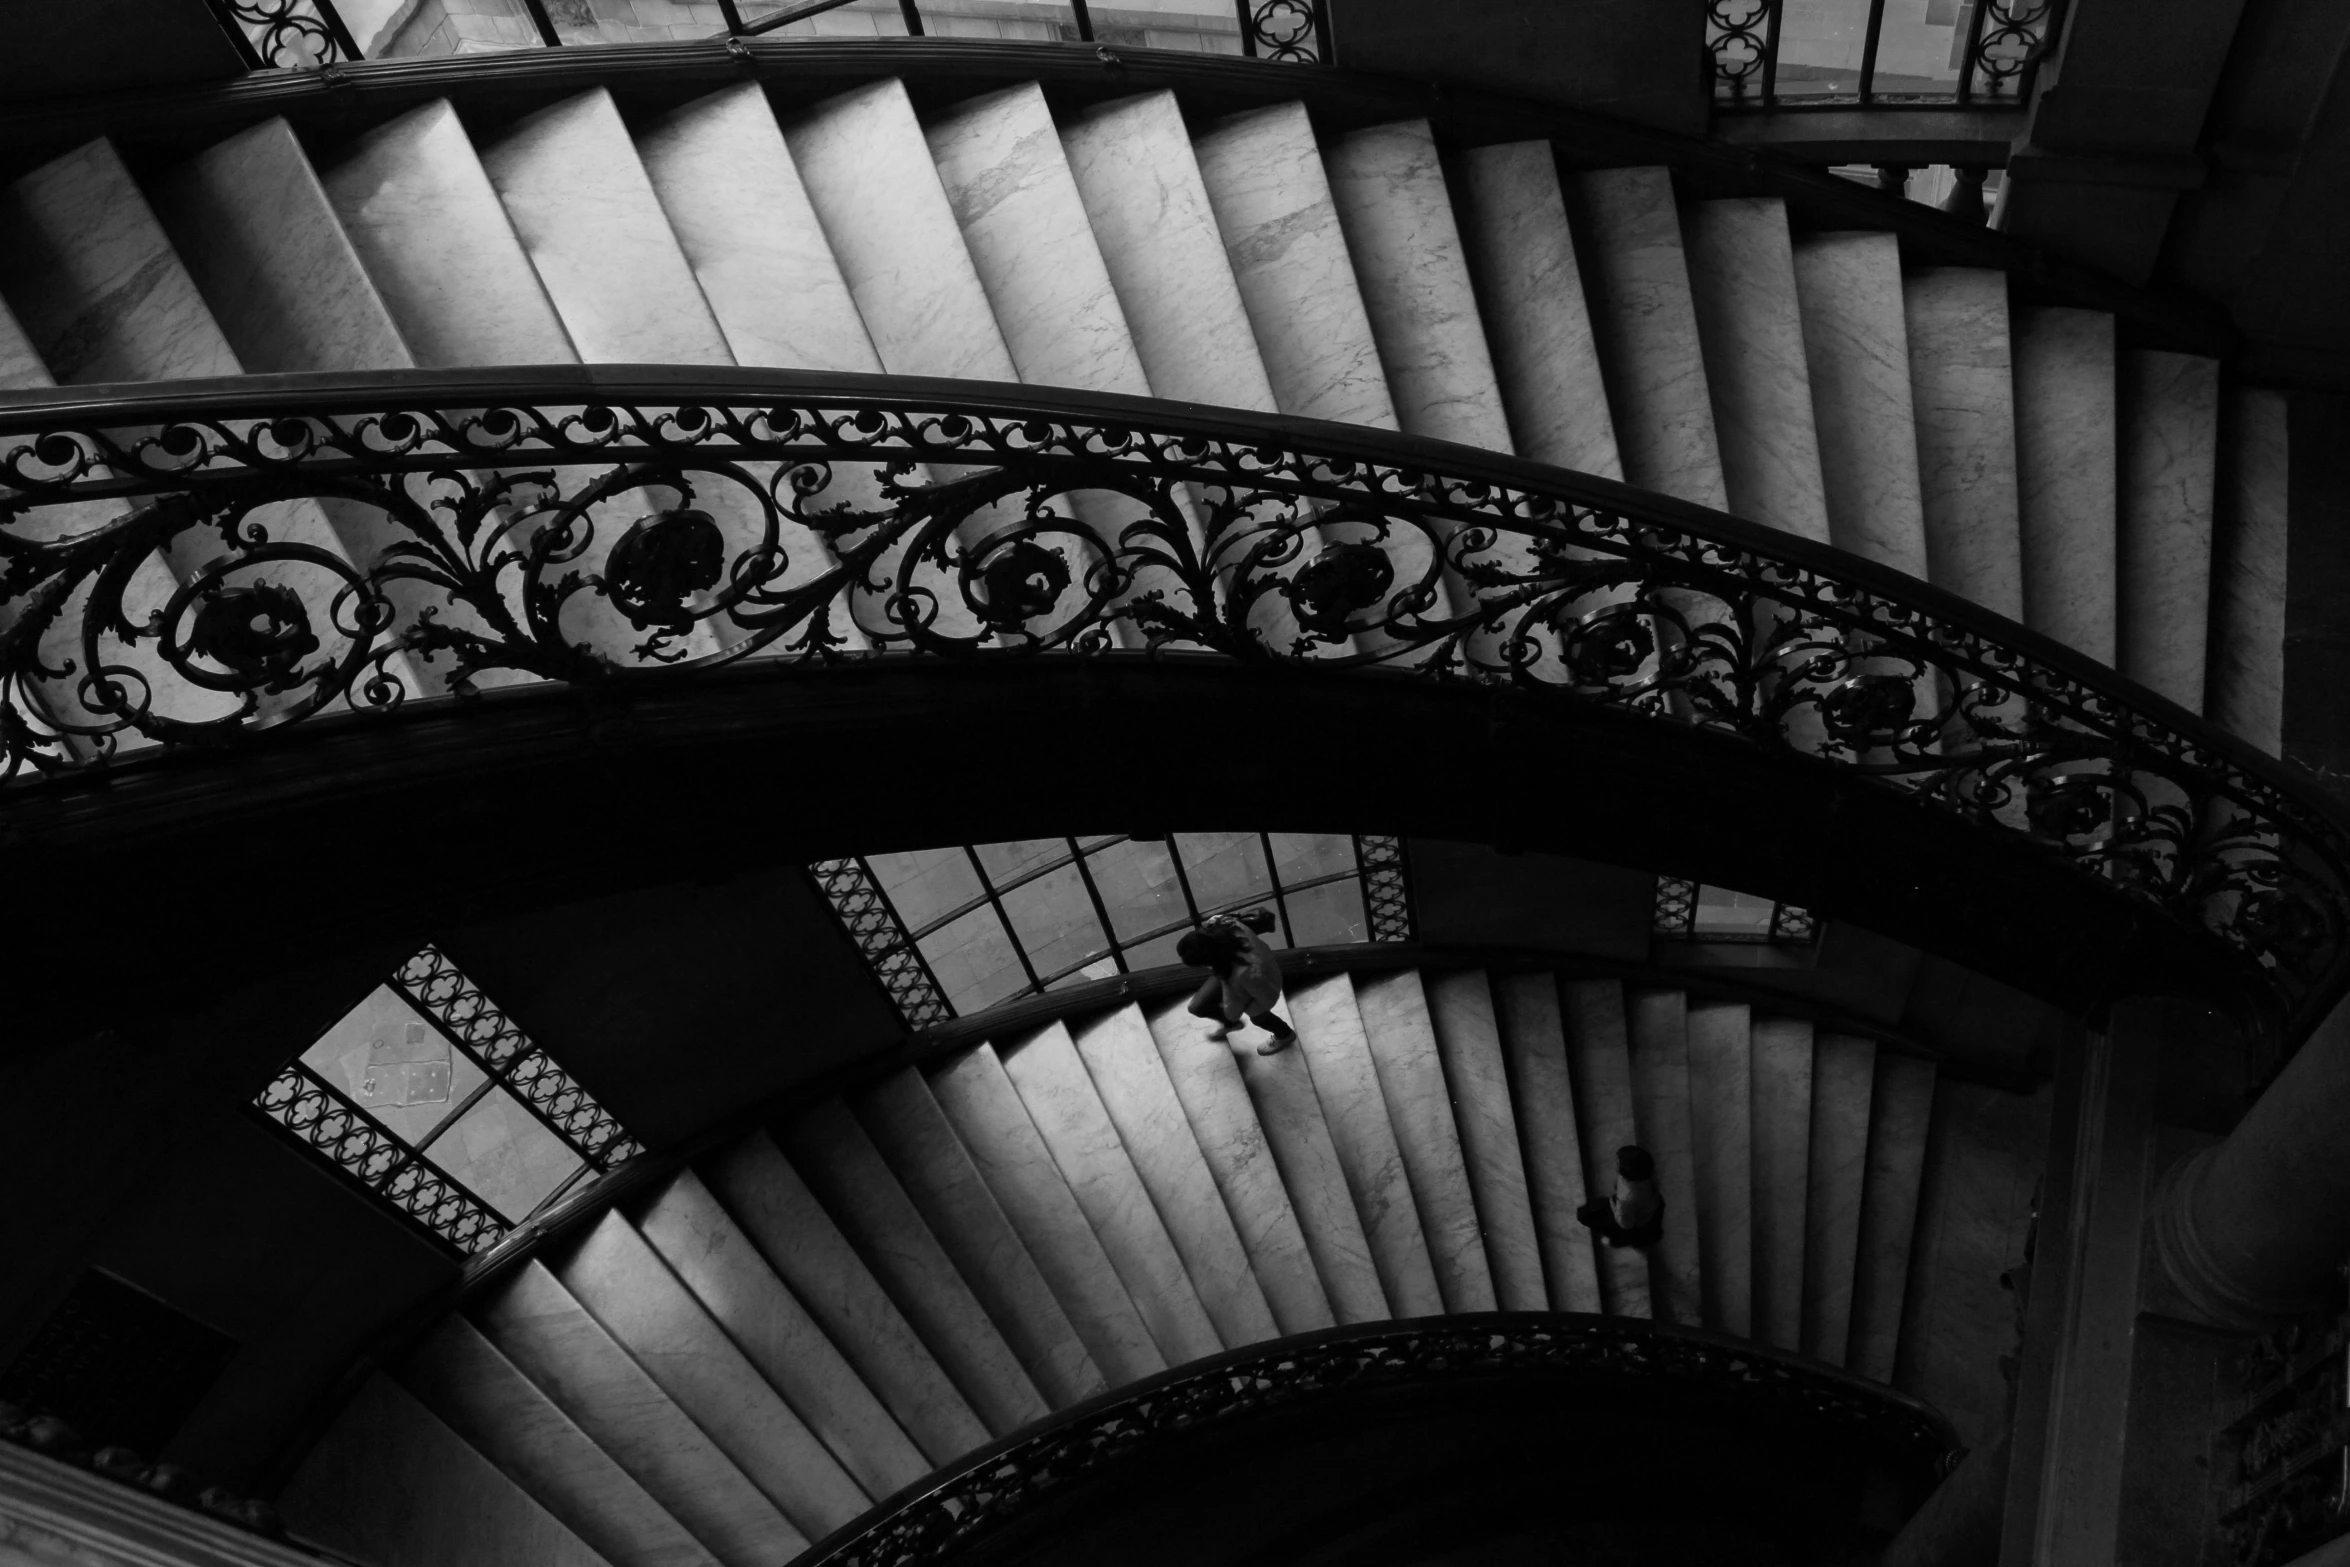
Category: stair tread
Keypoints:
(1843, 1074)
(1963, 388)
(1782, 1100)
(1543, 1096)
(1599, 1056)
(1469, 1041)
(1742, 282)
(1659, 1034)
(1900, 1118)
(1402, 1037)
(1856, 345)
(2066, 427)
(1721, 1131)
(2168, 462)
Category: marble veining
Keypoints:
(1271, 195)
(666, 1331)
(733, 197)
(1077, 1130)
(1900, 1114)
(712, 1257)
(1658, 1029)
(2064, 467)
(868, 173)
(437, 242)
(985, 1109)
(1533, 1031)
(1648, 336)
(1239, 1156)
(1962, 384)
(1721, 1125)
(1856, 346)
(1742, 283)
(1544, 353)
(1468, 1042)
(1134, 170)
(1844, 1070)
(1389, 191)
(461, 1377)
(1402, 1037)
(537, 1324)
(2169, 461)
(1331, 1037)
(830, 1150)
(971, 1219)
(772, 1208)
(2245, 690)
(1782, 1073)
(1599, 1060)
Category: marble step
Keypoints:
(1402, 1034)
(1546, 358)
(390, 1484)
(1782, 1052)
(552, 1339)
(1011, 1156)
(1127, 1073)
(1059, 1095)
(1599, 1058)
(1721, 1129)
(1900, 1120)
(2245, 683)
(813, 1260)
(1647, 323)
(1233, 1143)
(634, 1297)
(2168, 462)
(1534, 1034)
(860, 1192)
(1658, 1030)
(715, 1260)
(1750, 322)
(1856, 348)
(962, 1208)
(462, 1378)
(1468, 1041)
(1844, 1068)
(2065, 429)
(1963, 386)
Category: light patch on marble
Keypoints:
(2064, 462)
(1534, 1033)
(2244, 692)
(538, 1325)
(1076, 1128)
(21, 369)
(93, 281)
(963, 1209)
(985, 1110)
(1239, 1155)
(1599, 1060)
(1402, 1036)
(1742, 282)
(2169, 460)
(742, 218)
(714, 1259)
(1721, 1127)
(1544, 353)
(1388, 187)
(1962, 383)
(832, 1152)
(1134, 169)
(253, 224)
(1900, 1116)
(484, 1398)
(1782, 1078)
(1658, 1029)
(391, 1485)
(634, 1297)
(1648, 337)
(442, 253)
(868, 173)
(1844, 1070)
(1468, 1042)
(1856, 346)
(1123, 1063)
(1265, 179)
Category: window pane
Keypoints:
(974, 962)
(1004, 862)
(1919, 48)
(1054, 919)
(1733, 916)
(1138, 886)
(504, 1155)
(924, 883)
(395, 1064)
(1303, 856)
(1225, 868)
(1159, 952)
(1820, 44)
(1328, 915)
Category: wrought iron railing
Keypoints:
(1766, 54)
(1001, 1483)
(307, 34)
(2284, 1450)
(211, 564)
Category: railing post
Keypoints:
(913, 15)
(545, 23)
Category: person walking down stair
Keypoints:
(1634, 1213)
(1243, 978)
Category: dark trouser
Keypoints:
(1600, 1220)
(1208, 1002)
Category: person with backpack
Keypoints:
(1244, 978)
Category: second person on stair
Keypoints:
(1244, 980)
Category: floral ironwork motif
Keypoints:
(1000, 1483)
(290, 35)
(1737, 46)
(171, 578)
(2010, 40)
(307, 1108)
(1293, 32)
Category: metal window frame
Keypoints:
(2014, 18)
(1675, 918)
